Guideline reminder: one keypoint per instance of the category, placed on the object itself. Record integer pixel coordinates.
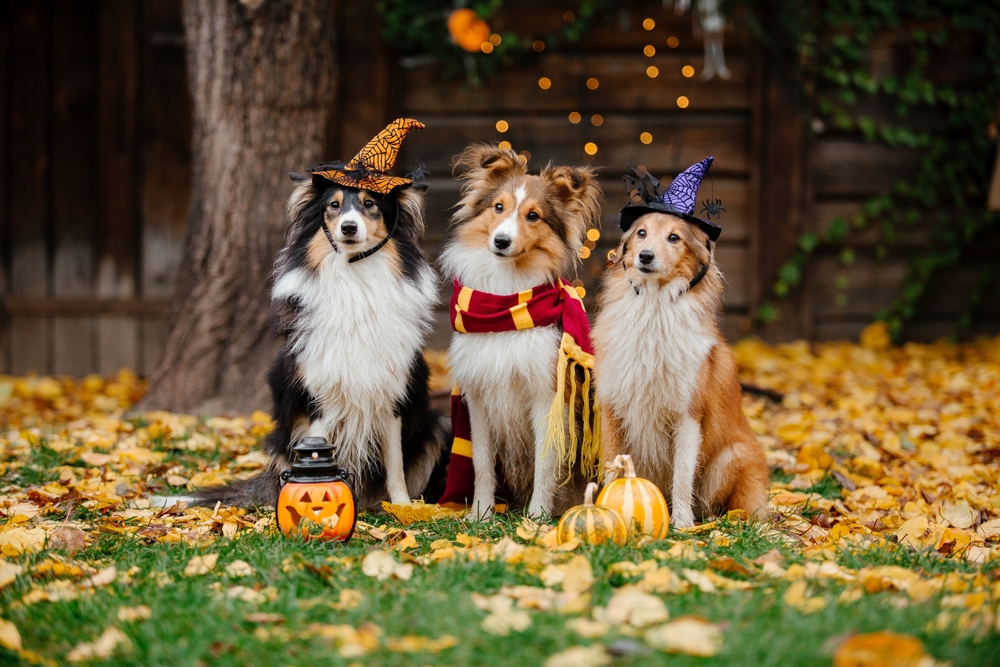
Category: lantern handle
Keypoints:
(284, 476)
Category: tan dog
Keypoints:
(665, 378)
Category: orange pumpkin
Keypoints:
(640, 502)
(468, 30)
(316, 501)
(592, 524)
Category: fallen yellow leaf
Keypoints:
(691, 635)
(200, 565)
(879, 649)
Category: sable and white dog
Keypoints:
(666, 380)
(353, 298)
(514, 231)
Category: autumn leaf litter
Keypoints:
(875, 450)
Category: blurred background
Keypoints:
(827, 131)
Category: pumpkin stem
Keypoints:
(588, 495)
(626, 462)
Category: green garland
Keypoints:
(419, 29)
(945, 199)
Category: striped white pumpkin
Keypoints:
(639, 501)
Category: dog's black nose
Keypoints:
(646, 257)
(348, 228)
(501, 242)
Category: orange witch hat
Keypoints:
(369, 169)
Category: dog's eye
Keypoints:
(498, 207)
(673, 238)
(334, 204)
(532, 216)
(369, 203)
(641, 233)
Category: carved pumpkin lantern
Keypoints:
(316, 501)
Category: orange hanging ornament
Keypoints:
(316, 500)
(468, 30)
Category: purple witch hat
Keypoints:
(680, 198)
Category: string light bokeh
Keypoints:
(591, 96)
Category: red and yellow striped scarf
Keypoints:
(555, 303)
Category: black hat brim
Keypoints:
(630, 214)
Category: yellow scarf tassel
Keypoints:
(570, 357)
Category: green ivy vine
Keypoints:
(831, 43)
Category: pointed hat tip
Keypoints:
(682, 195)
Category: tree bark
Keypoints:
(262, 81)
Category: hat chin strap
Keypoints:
(367, 253)
(701, 274)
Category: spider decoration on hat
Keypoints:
(711, 208)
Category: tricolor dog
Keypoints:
(666, 380)
(521, 344)
(353, 299)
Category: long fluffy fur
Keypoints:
(351, 367)
(508, 378)
(665, 378)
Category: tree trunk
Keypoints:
(262, 82)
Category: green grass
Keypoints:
(192, 625)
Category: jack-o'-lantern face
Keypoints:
(305, 507)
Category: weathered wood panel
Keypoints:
(624, 86)
(679, 140)
(5, 15)
(616, 30)
(74, 180)
(166, 147)
(847, 168)
(121, 35)
(29, 179)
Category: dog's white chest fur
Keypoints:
(510, 367)
(360, 328)
(654, 347)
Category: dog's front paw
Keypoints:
(400, 500)
(538, 511)
(683, 519)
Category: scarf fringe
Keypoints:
(566, 450)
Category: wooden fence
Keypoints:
(95, 164)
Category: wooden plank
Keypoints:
(118, 343)
(871, 285)
(29, 178)
(732, 260)
(166, 147)
(782, 196)
(363, 105)
(74, 186)
(848, 168)
(153, 336)
(679, 140)
(27, 358)
(5, 331)
(117, 276)
(73, 345)
(614, 30)
(624, 86)
(83, 306)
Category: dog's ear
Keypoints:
(411, 209)
(489, 163)
(577, 189)
(297, 178)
